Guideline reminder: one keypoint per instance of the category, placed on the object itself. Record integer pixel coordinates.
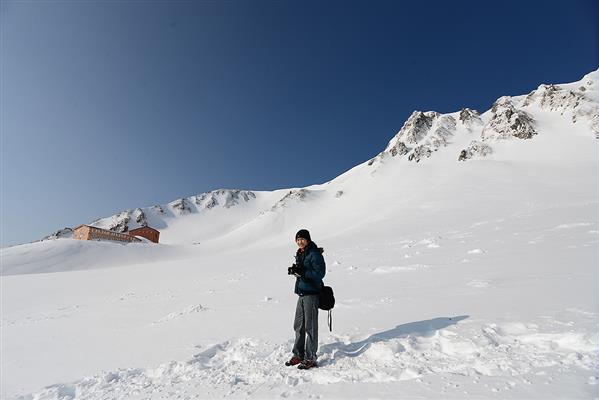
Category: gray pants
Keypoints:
(306, 327)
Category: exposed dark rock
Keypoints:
(64, 233)
(419, 153)
(508, 122)
(158, 209)
(400, 148)
(140, 217)
(226, 197)
(293, 195)
(182, 206)
(475, 149)
(417, 126)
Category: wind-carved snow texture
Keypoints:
(444, 346)
(508, 122)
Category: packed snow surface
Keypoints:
(475, 278)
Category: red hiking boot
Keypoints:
(294, 361)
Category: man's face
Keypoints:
(301, 242)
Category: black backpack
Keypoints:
(326, 301)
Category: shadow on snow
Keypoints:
(337, 350)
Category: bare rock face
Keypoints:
(421, 135)
(399, 149)
(292, 196)
(419, 153)
(234, 197)
(225, 197)
(438, 136)
(120, 222)
(508, 122)
(475, 150)
(157, 209)
(181, 206)
(442, 131)
(417, 126)
(140, 217)
(470, 118)
(64, 233)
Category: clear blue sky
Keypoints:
(109, 105)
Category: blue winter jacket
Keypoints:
(312, 263)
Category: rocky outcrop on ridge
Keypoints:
(421, 135)
(508, 122)
(224, 197)
(292, 196)
(476, 149)
(60, 234)
(470, 118)
(574, 102)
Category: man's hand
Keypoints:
(295, 270)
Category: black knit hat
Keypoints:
(304, 234)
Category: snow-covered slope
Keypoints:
(463, 135)
(463, 259)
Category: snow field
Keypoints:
(465, 351)
(225, 336)
(453, 279)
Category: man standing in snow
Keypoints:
(309, 269)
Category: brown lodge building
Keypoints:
(86, 232)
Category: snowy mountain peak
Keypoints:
(462, 135)
(578, 101)
(421, 134)
(509, 118)
(416, 127)
(131, 219)
(123, 221)
(469, 117)
(507, 121)
(224, 197)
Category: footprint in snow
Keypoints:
(186, 311)
(476, 251)
(398, 268)
(478, 283)
(571, 226)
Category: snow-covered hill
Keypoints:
(462, 135)
(463, 258)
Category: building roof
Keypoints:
(144, 227)
(101, 229)
(123, 233)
